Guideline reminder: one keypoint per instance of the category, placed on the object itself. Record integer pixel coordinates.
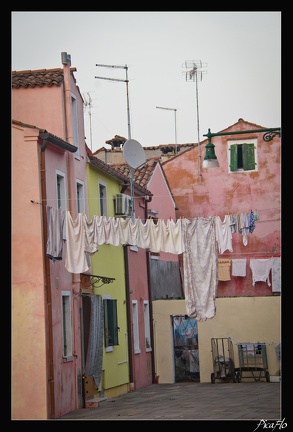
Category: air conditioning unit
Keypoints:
(122, 204)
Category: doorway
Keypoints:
(186, 354)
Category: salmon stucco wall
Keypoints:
(28, 334)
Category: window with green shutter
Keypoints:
(111, 322)
(242, 156)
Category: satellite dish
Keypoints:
(133, 153)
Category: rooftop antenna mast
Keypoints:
(117, 79)
(194, 73)
(88, 103)
(175, 111)
(128, 121)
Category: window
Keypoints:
(242, 156)
(75, 123)
(61, 195)
(110, 323)
(135, 327)
(103, 199)
(147, 330)
(80, 196)
(66, 325)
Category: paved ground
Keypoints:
(193, 401)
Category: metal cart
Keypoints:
(252, 362)
(223, 360)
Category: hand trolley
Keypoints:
(252, 361)
(223, 360)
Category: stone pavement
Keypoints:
(193, 401)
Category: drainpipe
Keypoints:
(72, 205)
(129, 326)
(148, 257)
(47, 284)
(69, 137)
(151, 317)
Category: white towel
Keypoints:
(239, 267)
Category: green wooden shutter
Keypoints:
(114, 321)
(233, 157)
(248, 157)
(111, 322)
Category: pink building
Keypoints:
(251, 182)
(49, 178)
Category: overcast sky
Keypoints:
(237, 56)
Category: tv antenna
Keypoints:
(194, 73)
(175, 111)
(88, 103)
(133, 152)
(117, 79)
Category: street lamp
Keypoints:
(210, 159)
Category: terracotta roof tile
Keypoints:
(142, 175)
(118, 171)
(38, 78)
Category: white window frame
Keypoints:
(135, 326)
(61, 195)
(147, 329)
(103, 201)
(75, 124)
(80, 196)
(242, 141)
(66, 325)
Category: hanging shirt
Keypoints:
(251, 223)
(233, 223)
(261, 268)
(223, 234)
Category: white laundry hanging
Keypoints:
(276, 274)
(55, 222)
(75, 260)
(239, 267)
(223, 234)
(261, 268)
(200, 261)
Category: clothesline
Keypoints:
(154, 196)
(181, 217)
(179, 195)
(228, 254)
(198, 240)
